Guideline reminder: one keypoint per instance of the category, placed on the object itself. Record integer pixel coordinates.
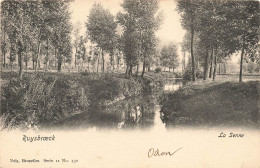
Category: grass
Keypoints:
(207, 103)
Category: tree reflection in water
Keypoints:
(137, 113)
(132, 113)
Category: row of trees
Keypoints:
(139, 22)
(217, 29)
(31, 29)
(41, 31)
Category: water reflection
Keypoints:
(173, 84)
(129, 113)
(142, 112)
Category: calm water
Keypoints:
(142, 112)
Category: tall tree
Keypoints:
(61, 33)
(101, 28)
(81, 50)
(169, 56)
(188, 10)
(76, 33)
(19, 28)
(245, 16)
(139, 21)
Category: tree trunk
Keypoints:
(206, 65)
(76, 57)
(82, 65)
(47, 54)
(103, 61)
(149, 68)
(126, 70)
(55, 57)
(39, 64)
(46, 66)
(36, 64)
(225, 70)
(98, 62)
(59, 65)
(137, 69)
(3, 49)
(219, 68)
(184, 62)
(113, 64)
(130, 71)
(4, 59)
(38, 53)
(215, 66)
(26, 64)
(20, 64)
(241, 65)
(169, 69)
(20, 59)
(191, 50)
(55, 63)
(142, 75)
(211, 64)
(118, 62)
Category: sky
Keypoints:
(170, 30)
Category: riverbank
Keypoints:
(213, 104)
(43, 98)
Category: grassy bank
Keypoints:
(221, 104)
(41, 98)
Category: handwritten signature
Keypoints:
(153, 152)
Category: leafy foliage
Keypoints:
(169, 56)
(38, 99)
(101, 28)
(139, 21)
(35, 25)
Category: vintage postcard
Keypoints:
(130, 84)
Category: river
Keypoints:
(141, 113)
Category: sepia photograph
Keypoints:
(130, 83)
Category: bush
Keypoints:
(158, 70)
(199, 74)
(37, 99)
(86, 73)
(187, 76)
(178, 75)
(104, 88)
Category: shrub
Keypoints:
(104, 88)
(85, 73)
(187, 76)
(37, 99)
(178, 75)
(199, 74)
(157, 70)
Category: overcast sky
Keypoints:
(170, 30)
